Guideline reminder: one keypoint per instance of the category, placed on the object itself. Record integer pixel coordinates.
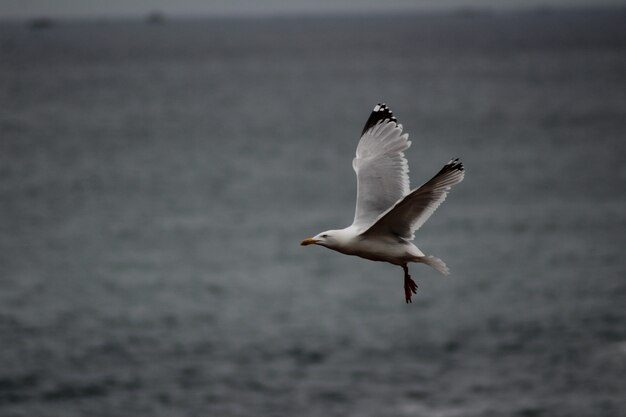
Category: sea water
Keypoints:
(156, 180)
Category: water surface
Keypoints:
(155, 181)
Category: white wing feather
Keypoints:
(381, 171)
(410, 213)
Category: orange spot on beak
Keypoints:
(308, 241)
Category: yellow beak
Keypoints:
(308, 241)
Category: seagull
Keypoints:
(387, 212)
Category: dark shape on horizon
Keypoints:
(39, 23)
(472, 12)
(155, 18)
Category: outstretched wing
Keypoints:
(412, 211)
(380, 166)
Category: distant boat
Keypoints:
(40, 23)
(155, 18)
(471, 12)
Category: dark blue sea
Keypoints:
(156, 180)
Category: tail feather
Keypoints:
(434, 262)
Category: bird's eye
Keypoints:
(324, 235)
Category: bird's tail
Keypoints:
(434, 262)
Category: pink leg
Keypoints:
(409, 285)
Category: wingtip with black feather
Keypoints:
(455, 164)
(380, 113)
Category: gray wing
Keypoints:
(380, 166)
(410, 213)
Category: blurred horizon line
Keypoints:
(160, 16)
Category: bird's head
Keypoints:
(327, 238)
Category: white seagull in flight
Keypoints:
(387, 212)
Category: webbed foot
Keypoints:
(410, 287)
